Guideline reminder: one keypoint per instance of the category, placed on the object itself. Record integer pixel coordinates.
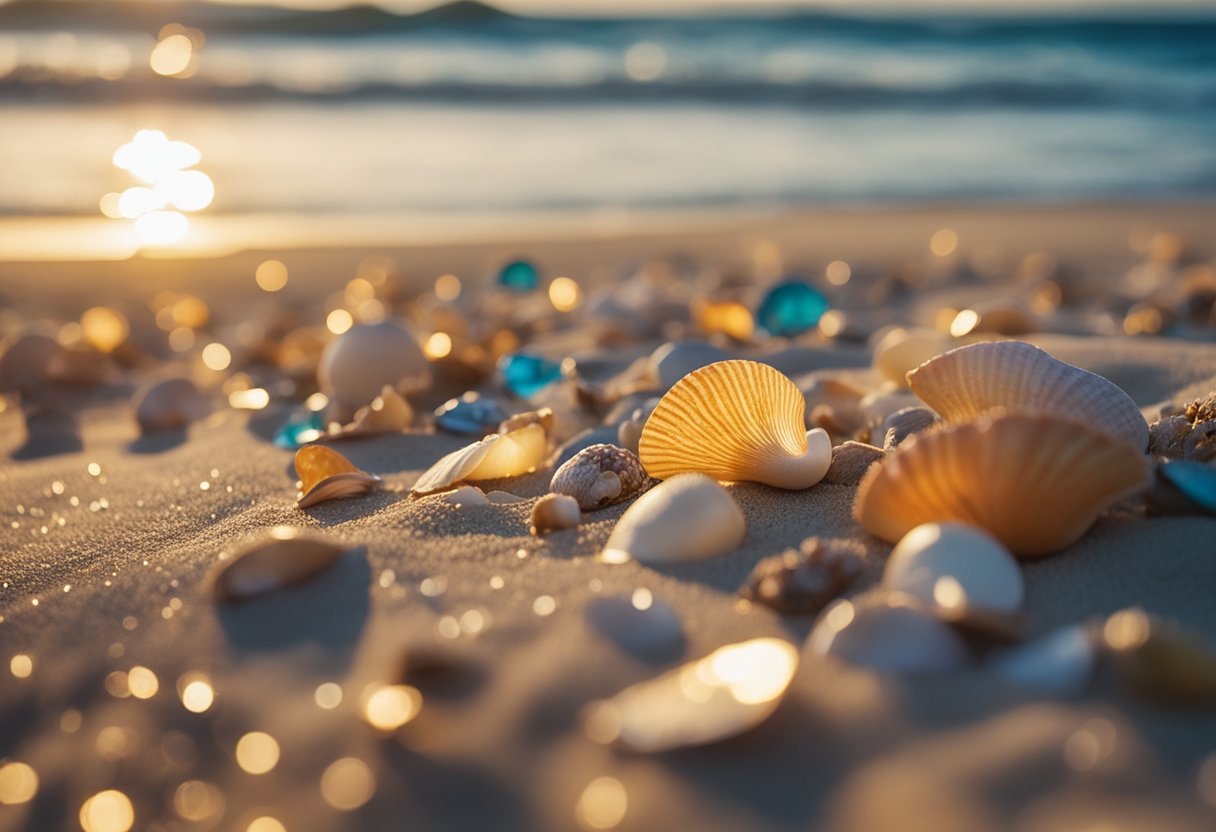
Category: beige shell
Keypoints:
(901, 350)
(466, 496)
(554, 512)
(599, 476)
(284, 556)
(387, 413)
(735, 420)
(730, 691)
(688, 517)
(169, 404)
(1035, 483)
(356, 365)
(498, 455)
(327, 475)
(1020, 377)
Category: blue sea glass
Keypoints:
(1195, 480)
(302, 427)
(470, 414)
(790, 308)
(519, 276)
(525, 374)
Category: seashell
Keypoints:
(554, 512)
(688, 517)
(725, 316)
(26, 361)
(77, 365)
(498, 455)
(469, 495)
(953, 565)
(965, 382)
(835, 406)
(641, 625)
(360, 362)
(733, 689)
(600, 476)
(1161, 659)
(387, 413)
(1061, 663)
(471, 414)
(900, 351)
(735, 420)
(1001, 317)
(804, 581)
(281, 558)
(850, 461)
(903, 423)
(672, 361)
(629, 432)
(169, 404)
(327, 475)
(887, 633)
(1035, 483)
(542, 417)
(504, 498)
(1182, 487)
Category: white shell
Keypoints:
(688, 517)
(498, 455)
(900, 351)
(554, 512)
(730, 691)
(169, 404)
(387, 413)
(360, 362)
(966, 382)
(469, 495)
(282, 557)
(959, 558)
(1062, 662)
(887, 633)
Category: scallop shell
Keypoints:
(554, 512)
(965, 382)
(283, 557)
(599, 476)
(357, 364)
(387, 413)
(688, 517)
(327, 475)
(498, 455)
(169, 404)
(735, 420)
(730, 691)
(887, 633)
(1035, 483)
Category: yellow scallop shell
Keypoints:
(735, 420)
(1035, 483)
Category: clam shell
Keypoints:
(1035, 483)
(357, 365)
(730, 691)
(284, 556)
(900, 351)
(387, 413)
(599, 476)
(169, 404)
(688, 517)
(950, 564)
(968, 381)
(887, 633)
(498, 455)
(735, 420)
(554, 512)
(327, 475)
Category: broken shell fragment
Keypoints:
(966, 382)
(730, 691)
(497, 456)
(1035, 483)
(688, 517)
(357, 365)
(887, 633)
(735, 420)
(555, 512)
(804, 581)
(955, 566)
(327, 475)
(387, 413)
(600, 476)
(169, 404)
(283, 557)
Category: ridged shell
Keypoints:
(735, 420)
(903, 423)
(554, 512)
(327, 475)
(498, 455)
(599, 476)
(968, 381)
(1035, 483)
(688, 517)
(285, 556)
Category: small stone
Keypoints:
(805, 581)
(850, 461)
(790, 308)
(1167, 436)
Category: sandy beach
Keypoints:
(112, 541)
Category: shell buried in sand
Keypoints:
(688, 517)
(327, 475)
(282, 557)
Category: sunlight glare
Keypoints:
(161, 228)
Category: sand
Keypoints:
(112, 585)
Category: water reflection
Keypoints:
(157, 210)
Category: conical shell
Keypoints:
(965, 382)
(735, 420)
(599, 476)
(285, 556)
(498, 455)
(327, 475)
(1035, 483)
(688, 517)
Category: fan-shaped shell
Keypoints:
(967, 381)
(735, 420)
(688, 517)
(498, 455)
(1035, 483)
(327, 475)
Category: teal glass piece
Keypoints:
(519, 276)
(790, 308)
(302, 427)
(525, 374)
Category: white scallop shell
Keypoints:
(962, 559)
(966, 382)
(735, 420)
(498, 455)
(688, 517)
(887, 633)
(357, 365)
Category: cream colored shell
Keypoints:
(735, 420)
(387, 413)
(688, 517)
(1035, 483)
(498, 455)
(965, 382)
(282, 557)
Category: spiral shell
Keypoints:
(1035, 483)
(327, 475)
(735, 420)
(965, 382)
(599, 476)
